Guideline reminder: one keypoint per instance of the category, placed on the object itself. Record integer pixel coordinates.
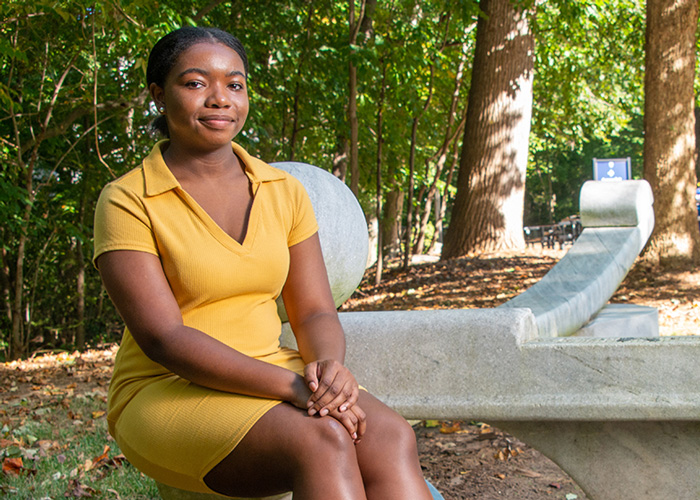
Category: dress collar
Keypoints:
(160, 179)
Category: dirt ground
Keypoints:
(464, 460)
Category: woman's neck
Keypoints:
(188, 165)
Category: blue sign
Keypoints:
(612, 169)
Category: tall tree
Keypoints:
(488, 209)
(354, 25)
(669, 123)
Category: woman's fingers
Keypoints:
(333, 385)
(354, 420)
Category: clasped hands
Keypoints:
(334, 393)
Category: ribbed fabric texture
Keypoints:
(171, 429)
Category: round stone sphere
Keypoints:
(342, 229)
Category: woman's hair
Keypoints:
(167, 50)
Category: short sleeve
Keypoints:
(304, 222)
(122, 222)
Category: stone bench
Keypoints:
(591, 386)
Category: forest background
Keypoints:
(375, 92)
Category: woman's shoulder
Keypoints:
(130, 184)
(149, 172)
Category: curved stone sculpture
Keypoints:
(342, 229)
(618, 218)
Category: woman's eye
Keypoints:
(194, 84)
(236, 86)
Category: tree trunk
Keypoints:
(669, 128)
(440, 217)
(408, 251)
(301, 63)
(411, 176)
(488, 211)
(354, 26)
(340, 160)
(393, 206)
(380, 141)
(440, 156)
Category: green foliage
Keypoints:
(588, 98)
(75, 114)
(73, 117)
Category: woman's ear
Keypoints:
(157, 94)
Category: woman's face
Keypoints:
(205, 97)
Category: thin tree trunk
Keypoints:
(433, 190)
(408, 249)
(445, 197)
(440, 157)
(354, 132)
(393, 207)
(340, 160)
(488, 211)
(354, 26)
(297, 88)
(669, 125)
(409, 203)
(5, 285)
(380, 141)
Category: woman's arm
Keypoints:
(320, 338)
(139, 289)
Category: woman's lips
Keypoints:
(217, 121)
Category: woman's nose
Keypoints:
(218, 98)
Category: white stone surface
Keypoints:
(617, 218)
(342, 229)
(622, 321)
(617, 204)
(488, 365)
(621, 460)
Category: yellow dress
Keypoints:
(169, 428)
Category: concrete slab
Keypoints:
(622, 321)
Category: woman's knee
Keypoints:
(400, 432)
(327, 437)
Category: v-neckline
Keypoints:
(217, 231)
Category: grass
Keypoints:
(54, 444)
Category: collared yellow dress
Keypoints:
(169, 428)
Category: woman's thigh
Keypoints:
(284, 449)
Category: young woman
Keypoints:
(194, 246)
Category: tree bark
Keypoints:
(354, 25)
(380, 143)
(488, 211)
(393, 207)
(411, 174)
(440, 157)
(669, 128)
(301, 63)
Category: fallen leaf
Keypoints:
(447, 428)
(78, 490)
(13, 466)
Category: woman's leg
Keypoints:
(388, 455)
(287, 450)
